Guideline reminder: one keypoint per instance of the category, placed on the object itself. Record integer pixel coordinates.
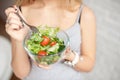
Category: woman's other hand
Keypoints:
(43, 66)
(14, 26)
(68, 55)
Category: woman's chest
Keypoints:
(64, 20)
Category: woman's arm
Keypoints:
(88, 46)
(20, 60)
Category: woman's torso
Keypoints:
(61, 71)
(50, 16)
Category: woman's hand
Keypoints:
(42, 66)
(68, 55)
(14, 26)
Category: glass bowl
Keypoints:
(49, 58)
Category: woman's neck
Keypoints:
(48, 3)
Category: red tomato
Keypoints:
(42, 53)
(52, 43)
(45, 41)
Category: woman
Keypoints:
(73, 17)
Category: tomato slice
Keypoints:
(53, 43)
(45, 41)
(42, 53)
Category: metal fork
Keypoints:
(33, 28)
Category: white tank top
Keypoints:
(61, 71)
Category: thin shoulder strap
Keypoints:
(80, 13)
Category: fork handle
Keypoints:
(22, 20)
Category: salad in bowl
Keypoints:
(46, 46)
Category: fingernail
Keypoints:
(15, 9)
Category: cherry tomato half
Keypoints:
(42, 53)
(45, 41)
(52, 43)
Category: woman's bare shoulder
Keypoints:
(88, 13)
(88, 16)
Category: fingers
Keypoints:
(45, 67)
(13, 27)
(67, 54)
(11, 13)
(13, 22)
(42, 66)
(10, 10)
(68, 50)
(12, 18)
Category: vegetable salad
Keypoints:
(45, 45)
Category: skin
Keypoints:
(54, 16)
